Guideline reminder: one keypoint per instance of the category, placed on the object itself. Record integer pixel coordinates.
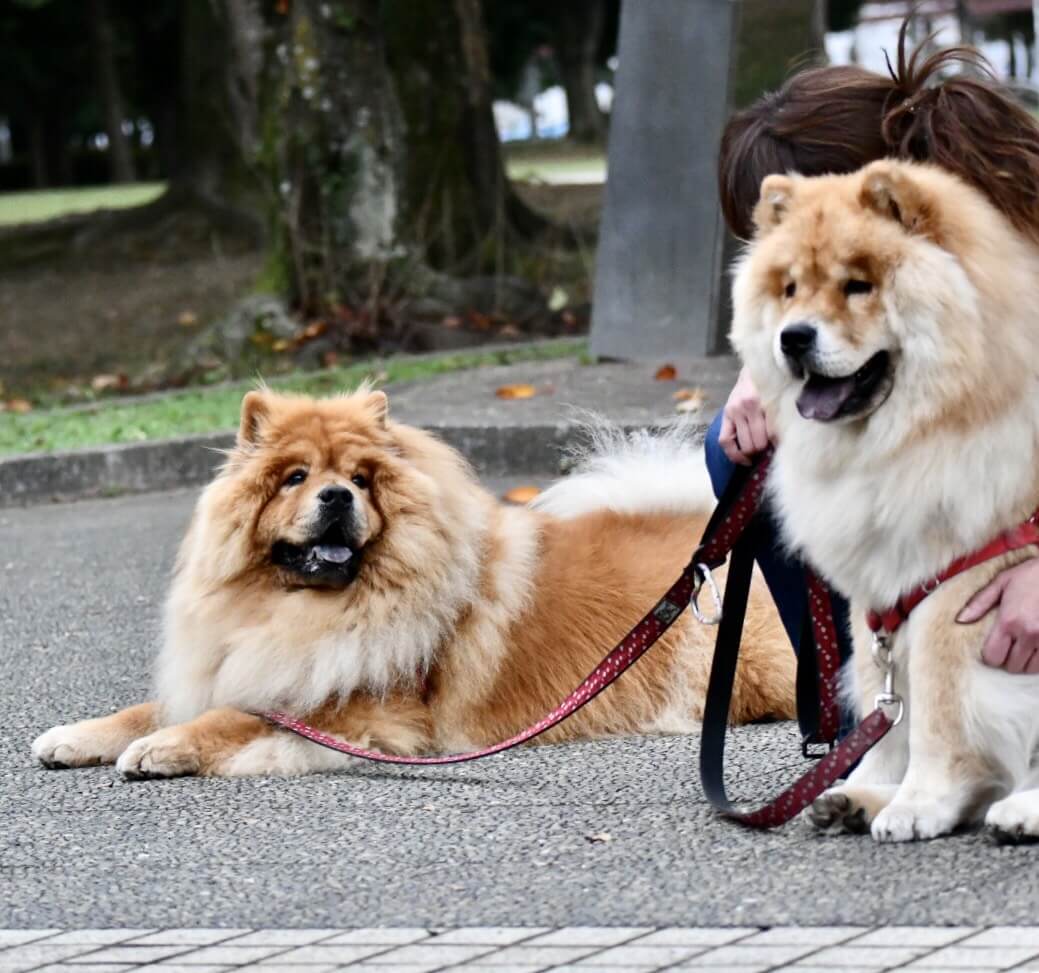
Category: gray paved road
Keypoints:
(501, 842)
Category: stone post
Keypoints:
(661, 289)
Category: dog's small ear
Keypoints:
(776, 193)
(379, 405)
(255, 412)
(890, 190)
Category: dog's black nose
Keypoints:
(797, 340)
(336, 496)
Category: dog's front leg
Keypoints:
(947, 778)
(851, 806)
(203, 746)
(92, 742)
(229, 743)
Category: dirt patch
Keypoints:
(127, 305)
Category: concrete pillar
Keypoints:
(661, 288)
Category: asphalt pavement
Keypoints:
(608, 833)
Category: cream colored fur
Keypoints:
(467, 619)
(950, 459)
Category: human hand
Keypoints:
(1013, 643)
(745, 430)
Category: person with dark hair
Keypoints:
(836, 120)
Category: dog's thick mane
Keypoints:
(952, 458)
(468, 546)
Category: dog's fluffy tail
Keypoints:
(658, 470)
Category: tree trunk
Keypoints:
(458, 205)
(120, 150)
(578, 38)
(38, 152)
(380, 140)
(333, 146)
(215, 164)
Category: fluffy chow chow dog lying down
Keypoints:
(889, 319)
(351, 570)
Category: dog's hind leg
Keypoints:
(92, 742)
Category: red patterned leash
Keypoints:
(626, 653)
(731, 517)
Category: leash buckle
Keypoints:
(884, 660)
(704, 576)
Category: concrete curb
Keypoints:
(192, 460)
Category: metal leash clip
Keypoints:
(704, 576)
(884, 659)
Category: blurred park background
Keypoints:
(198, 190)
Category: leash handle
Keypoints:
(818, 673)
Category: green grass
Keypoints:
(216, 409)
(554, 162)
(46, 204)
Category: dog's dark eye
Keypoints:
(295, 478)
(853, 287)
(359, 480)
(791, 289)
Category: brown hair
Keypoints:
(837, 119)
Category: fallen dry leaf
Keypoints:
(516, 392)
(187, 319)
(315, 329)
(18, 405)
(103, 383)
(480, 321)
(666, 373)
(522, 494)
(282, 344)
(690, 400)
(600, 838)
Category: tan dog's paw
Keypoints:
(72, 745)
(834, 812)
(915, 821)
(1015, 819)
(166, 753)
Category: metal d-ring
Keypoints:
(706, 578)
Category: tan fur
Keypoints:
(883, 500)
(467, 620)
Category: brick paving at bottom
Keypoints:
(500, 949)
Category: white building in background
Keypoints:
(879, 22)
(876, 32)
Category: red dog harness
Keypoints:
(1023, 535)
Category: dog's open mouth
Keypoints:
(330, 559)
(826, 398)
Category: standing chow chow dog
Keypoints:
(352, 571)
(889, 318)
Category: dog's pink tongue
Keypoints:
(822, 398)
(333, 553)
